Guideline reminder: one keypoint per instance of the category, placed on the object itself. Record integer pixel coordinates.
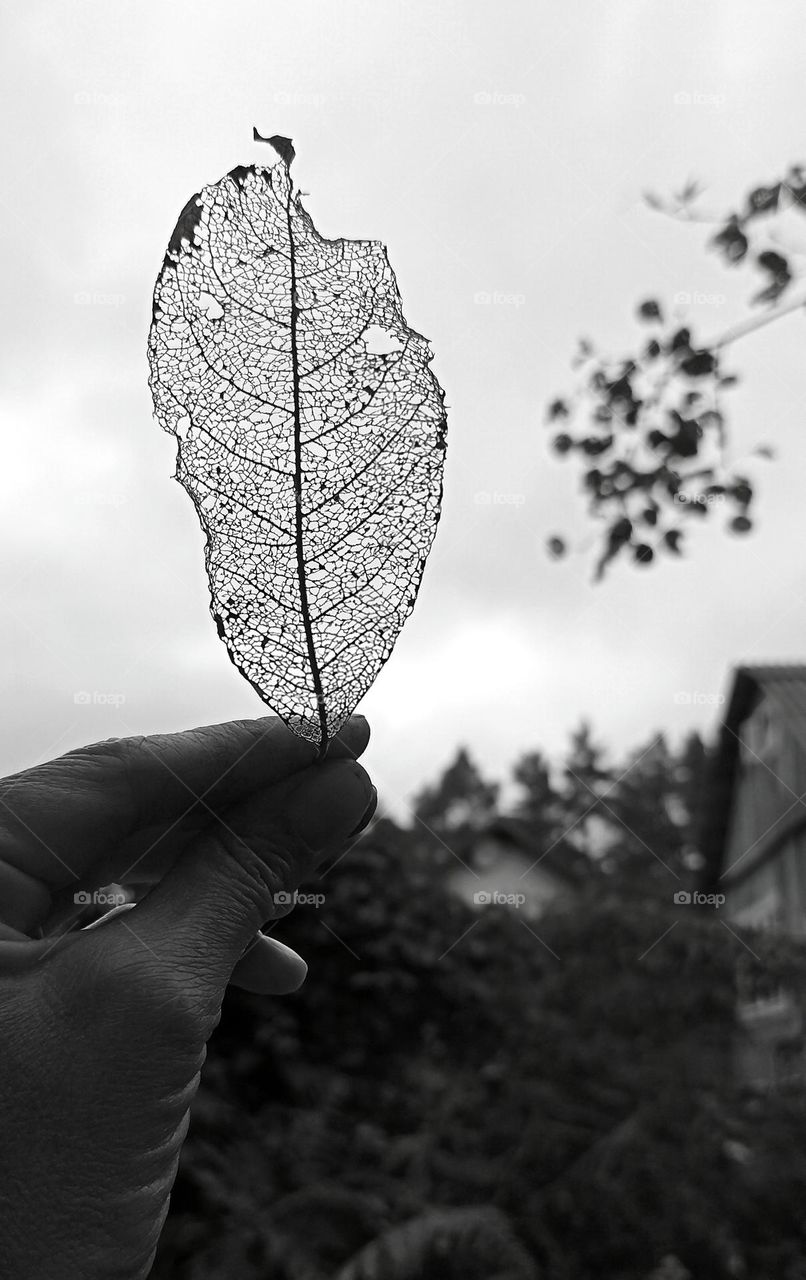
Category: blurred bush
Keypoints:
(452, 1095)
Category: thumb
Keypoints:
(204, 913)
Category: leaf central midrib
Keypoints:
(298, 479)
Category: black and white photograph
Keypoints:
(403, 647)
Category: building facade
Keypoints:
(754, 845)
(503, 866)
(758, 809)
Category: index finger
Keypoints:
(56, 818)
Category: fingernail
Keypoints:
(322, 810)
(370, 809)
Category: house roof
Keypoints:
(784, 686)
(561, 860)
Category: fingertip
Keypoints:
(327, 802)
(367, 815)
(351, 739)
(269, 967)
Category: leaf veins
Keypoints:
(311, 438)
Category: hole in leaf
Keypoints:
(210, 307)
(380, 341)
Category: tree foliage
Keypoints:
(650, 428)
(635, 820)
(449, 1083)
(460, 801)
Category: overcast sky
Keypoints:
(496, 149)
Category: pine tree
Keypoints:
(586, 782)
(460, 803)
(538, 806)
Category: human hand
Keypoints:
(103, 1031)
